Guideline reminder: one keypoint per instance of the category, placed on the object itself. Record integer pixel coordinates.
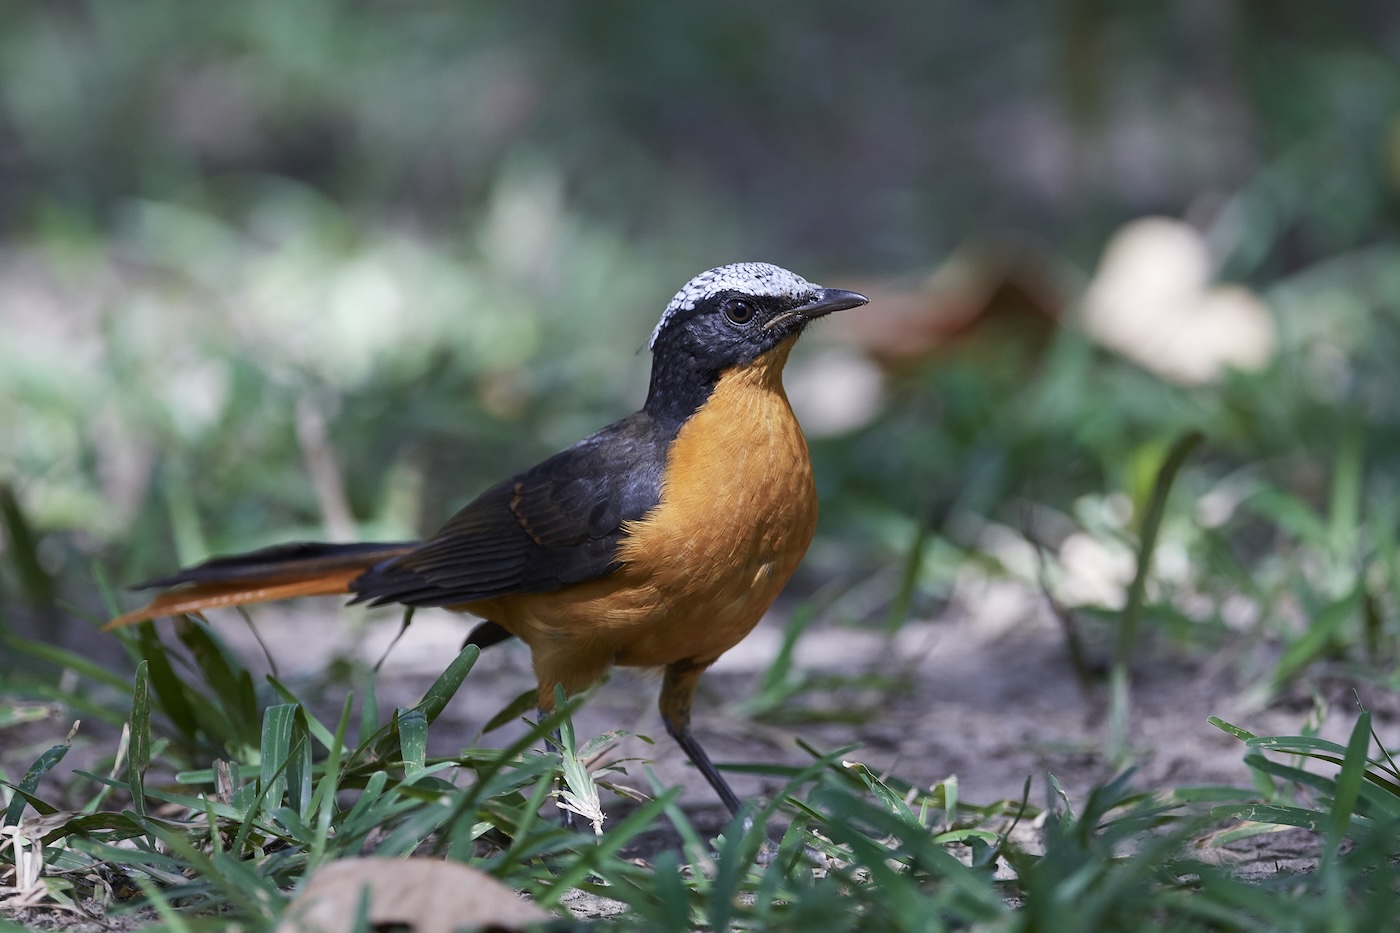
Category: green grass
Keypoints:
(222, 796)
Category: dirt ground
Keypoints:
(987, 693)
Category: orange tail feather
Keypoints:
(281, 572)
(222, 595)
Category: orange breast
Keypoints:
(738, 508)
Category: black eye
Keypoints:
(738, 311)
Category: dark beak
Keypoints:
(825, 301)
(829, 300)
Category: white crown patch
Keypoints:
(760, 279)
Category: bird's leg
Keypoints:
(560, 665)
(677, 694)
(567, 818)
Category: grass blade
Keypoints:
(447, 684)
(1322, 630)
(38, 583)
(139, 752)
(413, 739)
(317, 728)
(169, 688)
(67, 660)
(299, 766)
(275, 750)
(1348, 783)
(1120, 686)
(229, 681)
(30, 782)
(369, 713)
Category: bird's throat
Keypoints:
(679, 388)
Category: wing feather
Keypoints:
(557, 523)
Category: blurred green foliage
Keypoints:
(862, 134)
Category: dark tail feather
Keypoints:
(279, 572)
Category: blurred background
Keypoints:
(315, 269)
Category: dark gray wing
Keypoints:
(555, 524)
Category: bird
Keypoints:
(657, 542)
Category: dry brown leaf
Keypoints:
(425, 895)
(995, 290)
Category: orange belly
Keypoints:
(738, 508)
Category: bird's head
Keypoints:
(731, 317)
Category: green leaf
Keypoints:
(1292, 514)
(30, 782)
(317, 728)
(1272, 813)
(779, 681)
(607, 845)
(887, 797)
(1151, 526)
(14, 713)
(275, 750)
(1349, 782)
(369, 714)
(1126, 643)
(323, 801)
(22, 796)
(1319, 635)
(413, 739)
(23, 549)
(139, 747)
(207, 775)
(228, 680)
(117, 825)
(1234, 730)
(670, 895)
(1295, 743)
(169, 688)
(369, 797)
(1289, 773)
(64, 659)
(512, 711)
(447, 684)
(299, 766)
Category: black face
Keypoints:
(730, 328)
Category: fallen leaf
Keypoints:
(994, 291)
(424, 895)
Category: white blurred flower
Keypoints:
(1151, 300)
(1094, 572)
